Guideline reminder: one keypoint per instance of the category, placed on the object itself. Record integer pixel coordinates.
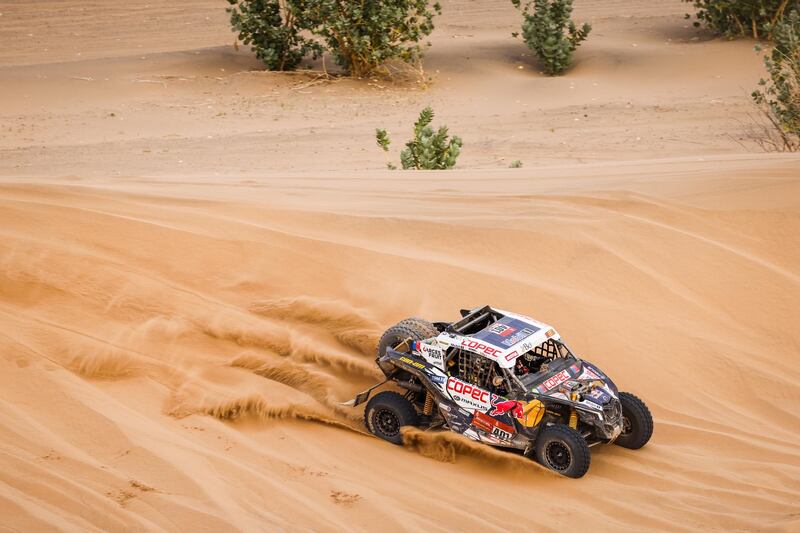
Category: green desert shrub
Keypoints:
(362, 35)
(271, 28)
(734, 18)
(550, 32)
(428, 149)
(779, 95)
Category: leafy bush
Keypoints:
(364, 35)
(429, 149)
(272, 29)
(779, 96)
(549, 31)
(742, 17)
(361, 35)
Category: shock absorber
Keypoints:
(573, 415)
(428, 409)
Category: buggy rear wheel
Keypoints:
(416, 329)
(425, 327)
(386, 413)
(563, 450)
(637, 422)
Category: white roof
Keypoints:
(505, 340)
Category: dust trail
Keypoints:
(331, 313)
(255, 407)
(364, 341)
(340, 361)
(447, 447)
(238, 329)
(315, 384)
(279, 340)
(347, 325)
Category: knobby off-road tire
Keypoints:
(563, 450)
(425, 327)
(386, 413)
(416, 329)
(637, 422)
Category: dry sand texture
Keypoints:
(196, 261)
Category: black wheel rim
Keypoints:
(627, 428)
(387, 422)
(558, 455)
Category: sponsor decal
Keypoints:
(588, 374)
(431, 353)
(492, 426)
(591, 368)
(550, 333)
(469, 396)
(504, 333)
(525, 346)
(553, 381)
(437, 379)
(533, 412)
(569, 385)
(517, 337)
(512, 355)
(528, 414)
(504, 330)
(415, 364)
(478, 346)
(502, 434)
(481, 421)
(592, 372)
(503, 407)
(598, 396)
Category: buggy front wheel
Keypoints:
(563, 450)
(637, 422)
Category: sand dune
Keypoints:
(191, 287)
(176, 368)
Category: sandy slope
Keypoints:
(181, 315)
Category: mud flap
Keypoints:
(362, 397)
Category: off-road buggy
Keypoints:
(506, 380)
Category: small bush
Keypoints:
(361, 35)
(515, 164)
(549, 32)
(779, 96)
(272, 29)
(734, 18)
(429, 149)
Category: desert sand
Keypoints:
(197, 259)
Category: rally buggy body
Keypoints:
(506, 380)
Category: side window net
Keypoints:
(548, 349)
(475, 369)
